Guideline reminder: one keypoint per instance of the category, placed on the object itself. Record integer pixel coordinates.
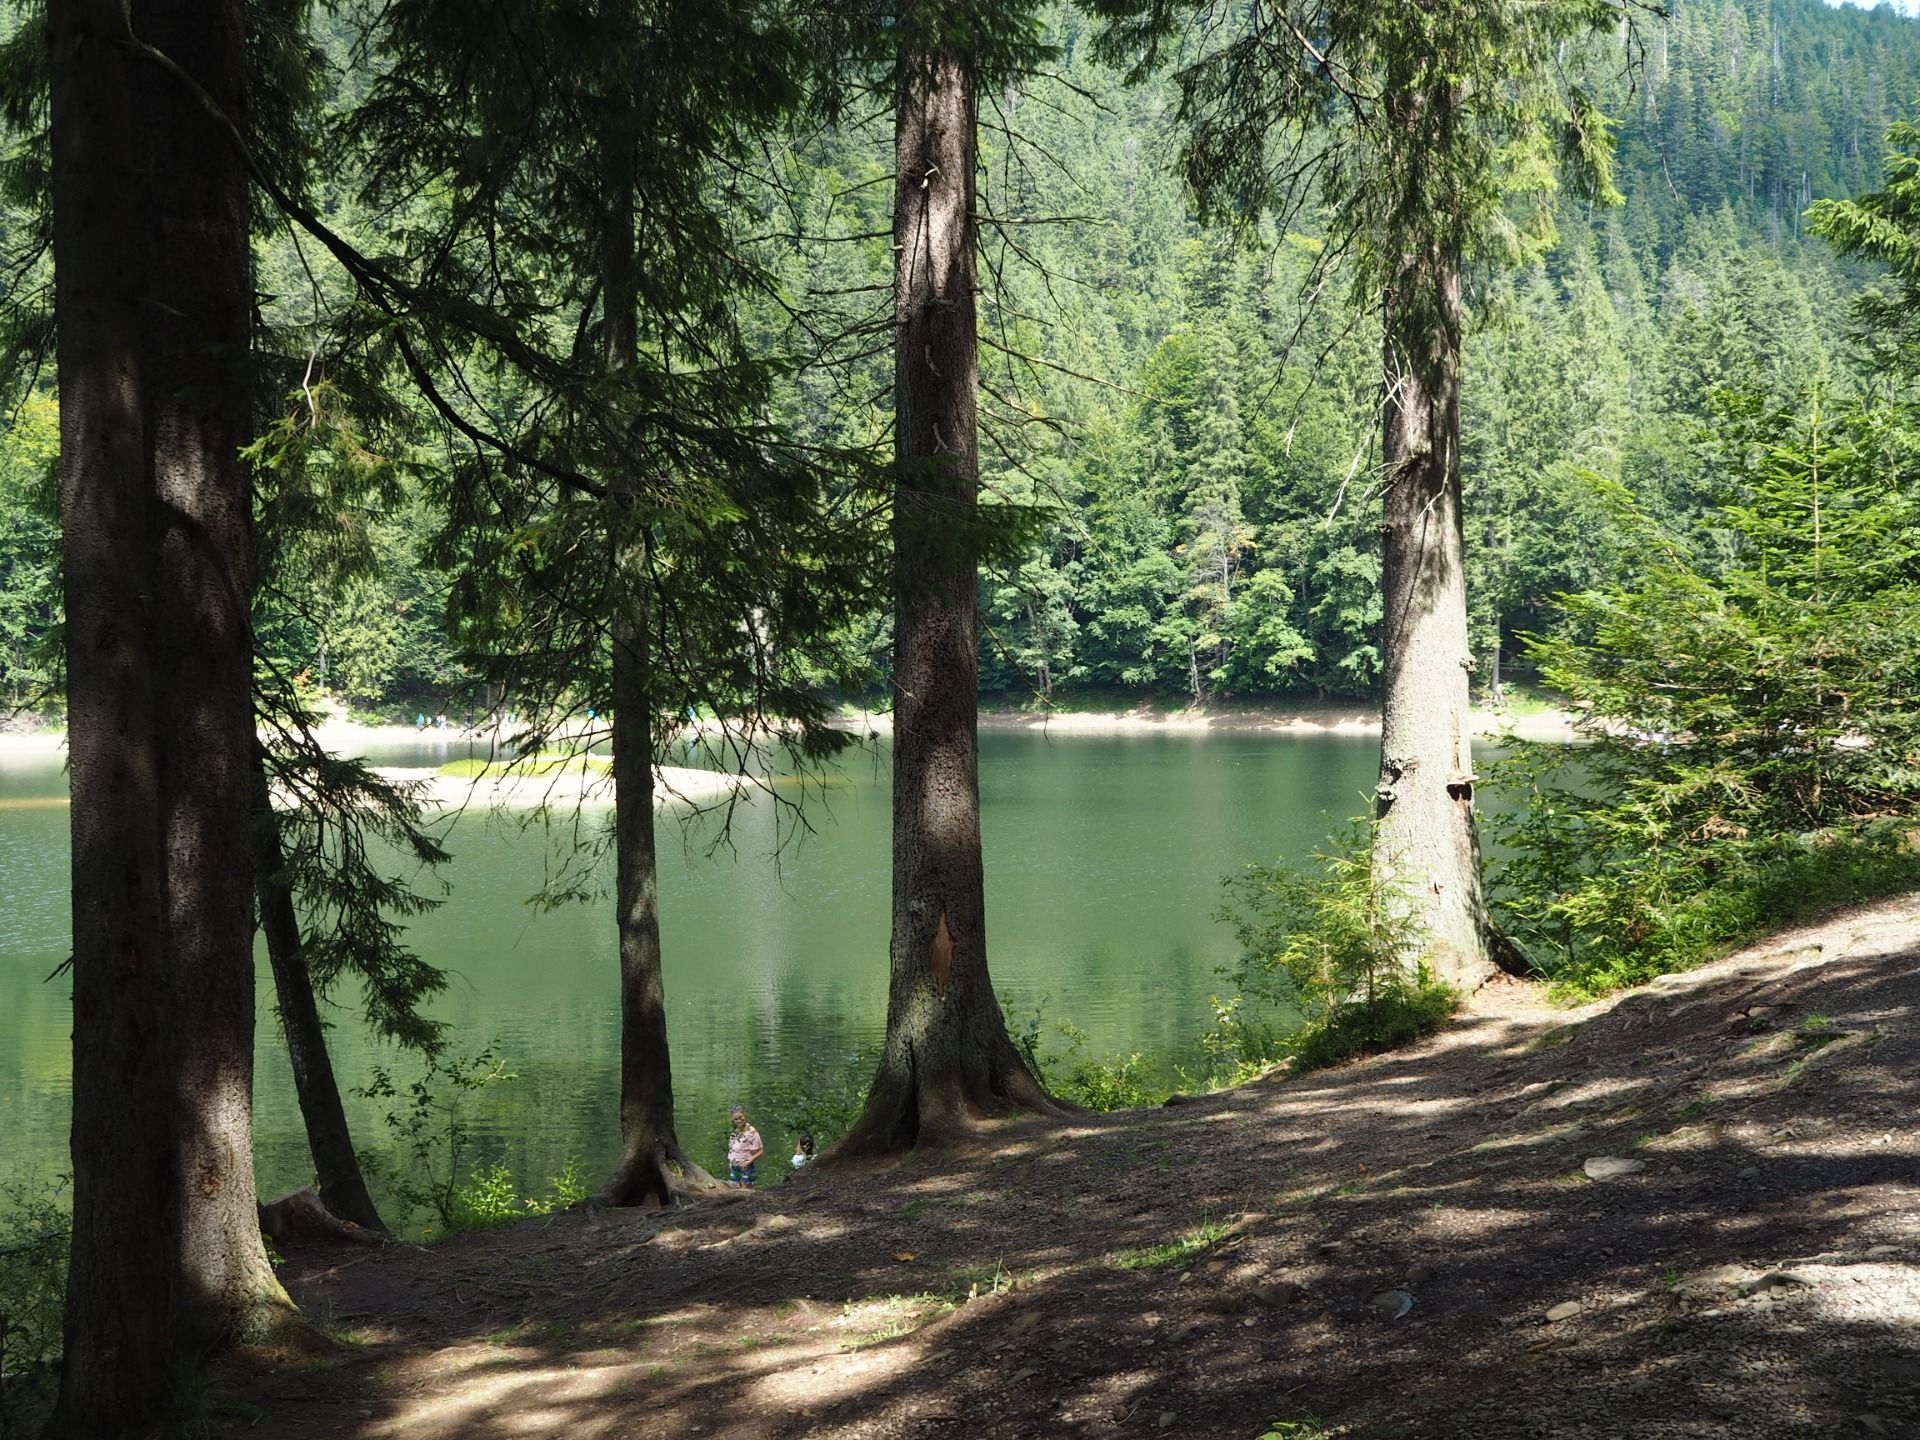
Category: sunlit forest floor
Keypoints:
(1691, 1210)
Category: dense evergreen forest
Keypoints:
(1201, 439)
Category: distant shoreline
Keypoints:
(1543, 725)
(673, 784)
(350, 737)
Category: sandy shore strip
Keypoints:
(345, 737)
(33, 744)
(1546, 725)
(506, 788)
(524, 790)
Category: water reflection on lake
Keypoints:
(1104, 857)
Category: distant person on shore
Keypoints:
(419, 721)
(803, 1153)
(743, 1149)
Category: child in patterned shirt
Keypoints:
(743, 1149)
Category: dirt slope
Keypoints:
(1751, 1272)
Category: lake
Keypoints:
(1104, 856)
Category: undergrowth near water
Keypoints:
(1597, 930)
(36, 1229)
(1329, 966)
(434, 1172)
(1095, 1083)
(825, 1099)
(1328, 970)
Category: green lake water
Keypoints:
(1103, 859)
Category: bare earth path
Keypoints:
(1750, 1271)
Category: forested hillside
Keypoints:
(1196, 413)
(1217, 523)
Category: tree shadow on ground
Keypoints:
(1210, 1268)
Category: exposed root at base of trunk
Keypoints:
(1511, 959)
(302, 1215)
(659, 1175)
(906, 1114)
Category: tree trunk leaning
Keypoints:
(947, 1061)
(342, 1187)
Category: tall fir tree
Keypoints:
(150, 234)
(629, 534)
(947, 1060)
(1417, 133)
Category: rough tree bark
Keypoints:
(652, 1165)
(342, 1188)
(1427, 846)
(154, 298)
(947, 1060)
(120, 1289)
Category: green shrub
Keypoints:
(430, 1123)
(1637, 905)
(1752, 740)
(568, 1188)
(1329, 966)
(826, 1098)
(491, 1197)
(1073, 1075)
(1102, 1084)
(485, 1199)
(36, 1231)
(1395, 1015)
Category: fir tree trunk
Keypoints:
(343, 1189)
(1427, 846)
(947, 1060)
(154, 298)
(652, 1165)
(198, 317)
(116, 1372)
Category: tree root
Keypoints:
(1511, 959)
(662, 1175)
(302, 1216)
(905, 1114)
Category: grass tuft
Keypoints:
(1180, 1251)
(532, 766)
